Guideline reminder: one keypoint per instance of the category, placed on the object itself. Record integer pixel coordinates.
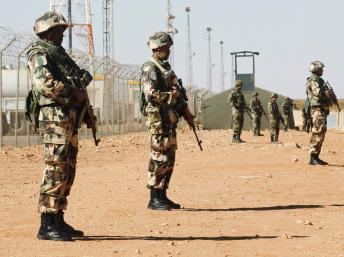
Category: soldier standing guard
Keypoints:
(165, 104)
(286, 109)
(275, 118)
(237, 101)
(59, 99)
(320, 98)
(257, 112)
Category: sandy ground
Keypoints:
(252, 199)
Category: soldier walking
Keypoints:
(237, 101)
(59, 99)
(165, 104)
(286, 110)
(320, 97)
(275, 118)
(257, 112)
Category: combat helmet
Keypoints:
(49, 20)
(159, 39)
(273, 95)
(238, 83)
(315, 66)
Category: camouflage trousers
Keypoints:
(286, 122)
(256, 119)
(319, 128)
(60, 140)
(237, 121)
(161, 160)
(274, 129)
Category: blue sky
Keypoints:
(288, 34)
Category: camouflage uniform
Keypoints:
(257, 112)
(163, 111)
(286, 109)
(320, 99)
(56, 83)
(237, 101)
(49, 67)
(162, 124)
(306, 117)
(275, 117)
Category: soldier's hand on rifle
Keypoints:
(175, 92)
(78, 96)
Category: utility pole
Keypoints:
(170, 29)
(108, 57)
(108, 41)
(210, 66)
(70, 35)
(222, 69)
(189, 53)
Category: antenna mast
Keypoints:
(210, 66)
(189, 53)
(170, 29)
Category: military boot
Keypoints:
(314, 160)
(164, 197)
(240, 140)
(155, 202)
(321, 162)
(259, 134)
(49, 231)
(235, 139)
(255, 132)
(60, 222)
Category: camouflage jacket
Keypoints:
(162, 108)
(256, 106)
(286, 107)
(49, 68)
(273, 112)
(237, 100)
(316, 92)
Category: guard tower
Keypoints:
(248, 79)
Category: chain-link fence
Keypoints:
(114, 93)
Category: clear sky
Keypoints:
(288, 34)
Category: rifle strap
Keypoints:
(162, 69)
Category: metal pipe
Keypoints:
(17, 96)
(1, 55)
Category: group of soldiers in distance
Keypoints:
(58, 85)
(319, 98)
(255, 111)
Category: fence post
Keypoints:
(1, 55)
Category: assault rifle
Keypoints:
(173, 82)
(80, 80)
(333, 95)
(183, 92)
(264, 113)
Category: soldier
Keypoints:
(306, 117)
(59, 99)
(165, 105)
(257, 112)
(286, 109)
(275, 118)
(237, 101)
(320, 97)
